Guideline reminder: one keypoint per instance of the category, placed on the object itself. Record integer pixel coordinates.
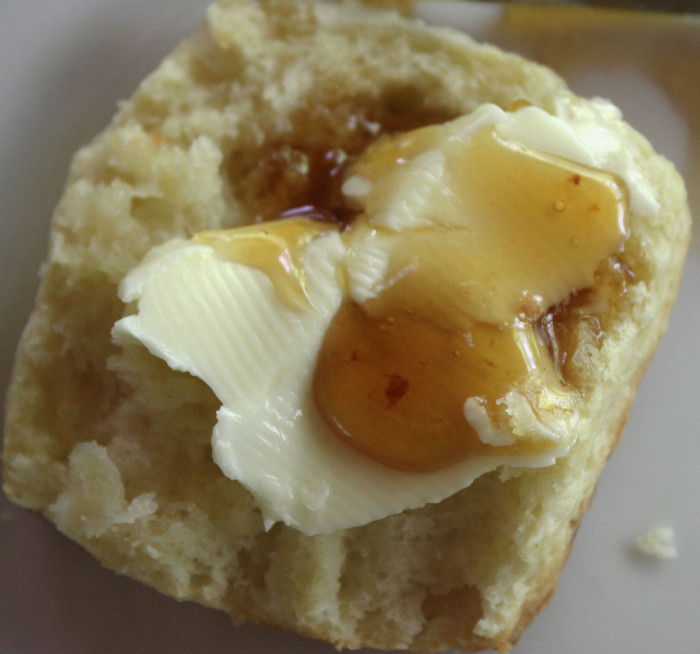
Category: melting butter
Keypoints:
(276, 248)
(484, 235)
(423, 280)
(503, 219)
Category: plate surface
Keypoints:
(66, 64)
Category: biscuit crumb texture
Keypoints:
(659, 543)
(114, 447)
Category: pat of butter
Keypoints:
(253, 333)
(225, 323)
(514, 213)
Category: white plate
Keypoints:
(66, 63)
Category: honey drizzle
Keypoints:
(393, 384)
(301, 174)
(458, 320)
(293, 179)
(561, 327)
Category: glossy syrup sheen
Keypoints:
(276, 248)
(394, 386)
(303, 177)
(473, 303)
(519, 232)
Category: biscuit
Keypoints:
(113, 446)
